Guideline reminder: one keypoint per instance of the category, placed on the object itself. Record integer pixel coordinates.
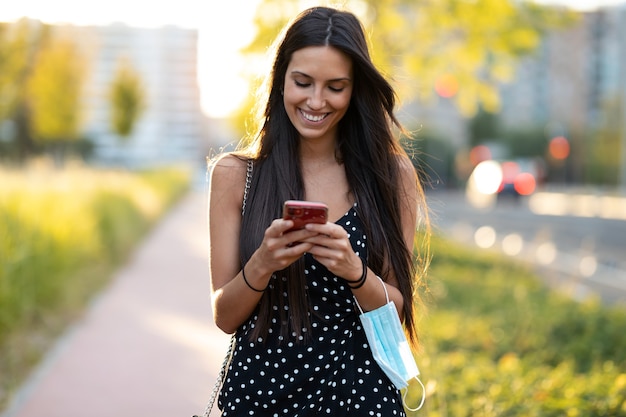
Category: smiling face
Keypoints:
(317, 90)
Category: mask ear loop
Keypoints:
(406, 391)
(384, 288)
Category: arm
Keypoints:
(232, 299)
(224, 219)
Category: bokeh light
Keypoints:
(546, 253)
(525, 183)
(447, 86)
(512, 244)
(487, 177)
(479, 154)
(485, 237)
(559, 148)
(588, 265)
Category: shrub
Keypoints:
(499, 343)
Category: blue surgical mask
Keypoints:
(390, 346)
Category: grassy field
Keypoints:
(499, 343)
(62, 234)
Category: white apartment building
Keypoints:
(173, 126)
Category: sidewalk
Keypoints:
(147, 346)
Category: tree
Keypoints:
(127, 100)
(55, 92)
(13, 64)
(459, 49)
(19, 43)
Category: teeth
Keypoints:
(313, 118)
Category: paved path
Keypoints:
(147, 346)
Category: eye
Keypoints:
(336, 89)
(301, 84)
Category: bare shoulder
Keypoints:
(228, 168)
(227, 161)
(227, 179)
(406, 168)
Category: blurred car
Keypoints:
(519, 177)
(493, 179)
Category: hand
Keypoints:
(330, 247)
(280, 248)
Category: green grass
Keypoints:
(497, 342)
(62, 234)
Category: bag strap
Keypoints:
(220, 378)
(249, 170)
(233, 340)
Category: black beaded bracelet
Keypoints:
(359, 282)
(243, 274)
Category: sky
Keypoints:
(224, 27)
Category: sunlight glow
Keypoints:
(223, 29)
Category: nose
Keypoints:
(316, 100)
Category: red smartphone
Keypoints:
(303, 212)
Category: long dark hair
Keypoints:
(366, 145)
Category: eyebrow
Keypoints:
(330, 81)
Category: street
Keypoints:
(580, 253)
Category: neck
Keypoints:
(318, 153)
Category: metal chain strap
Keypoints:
(231, 346)
(220, 377)
(248, 183)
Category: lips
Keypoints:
(314, 118)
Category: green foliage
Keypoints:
(467, 48)
(603, 147)
(41, 85)
(483, 127)
(13, 53)
(499, 343)
(528, 142)
(127, 97)
(55, 91)
(61, 235)
(603, 158)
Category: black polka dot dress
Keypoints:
(332, 375)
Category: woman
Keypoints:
(326, 135)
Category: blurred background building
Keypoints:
(574, 76)
(173, 126)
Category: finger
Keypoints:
(297, 236)
(336, 242)
(329, 229)
(280, 226)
